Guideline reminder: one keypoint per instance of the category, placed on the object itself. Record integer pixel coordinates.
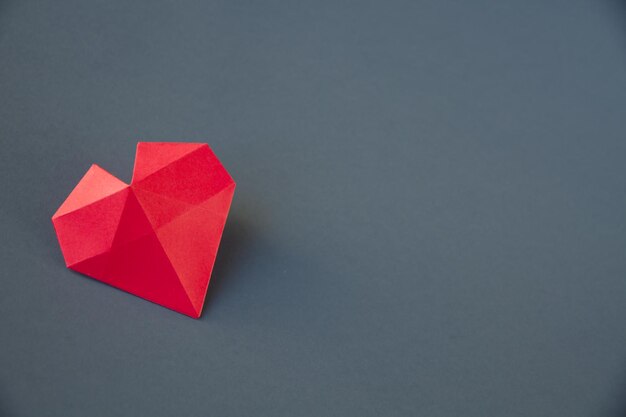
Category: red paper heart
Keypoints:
(156, 238)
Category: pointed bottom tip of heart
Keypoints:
(193, 314)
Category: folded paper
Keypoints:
(156, 238)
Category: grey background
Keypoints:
(429, 217)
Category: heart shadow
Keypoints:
(236, 245)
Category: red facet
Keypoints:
(156, 238)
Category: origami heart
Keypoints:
(156, 238)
